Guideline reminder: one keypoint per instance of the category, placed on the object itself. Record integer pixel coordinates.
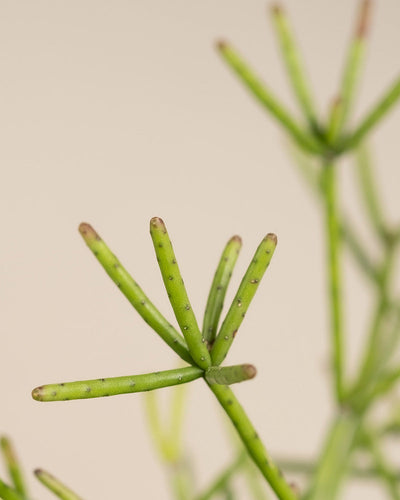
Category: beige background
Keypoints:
(113, 112)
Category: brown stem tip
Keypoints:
(37, 393)
(87, 232)
(236, 238)
(250, 371)
(38, 472)
(364, 19)
(272, 237)
(277, 9)
(157, 223)
(222, 45)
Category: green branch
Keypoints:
(243, 297)
(114, 386)
(177, 295)
(54, 485)
(218, 289)
(294, 66)
(252, 442)
(335, 287)
(13, 466)
(134, 293)
(268, 101)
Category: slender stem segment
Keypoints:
(13, 466)
(8, 493)
(386, 472)
(355, 58)
(243, 297)
(294, 66)
(228, 375)
(177, 293)
(134, 293)
(56, 486)
(335, 458)
(101, 387)
(252, 442)
(265, 97)
(218, 289)
(223, 478)
(369, 193)
(375, 115)
(335, 288)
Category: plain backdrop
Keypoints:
(115, 112)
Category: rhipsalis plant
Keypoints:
(318, 145)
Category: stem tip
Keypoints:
(157, 223)
(87, 232)
(37, 393)
(272, 237)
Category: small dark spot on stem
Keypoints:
(187, 307)
(88, 389)
(254, 281)
(229, 402)
(170, 278)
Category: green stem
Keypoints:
(54, 485)
(252, 442)
(218, 484)
(375, 115)
(8, 493)
(102, 387)
(243, 297)
(374, 359)
(347, 231)
(228, 375)
(177, 295)
(355, 58)
(334, 266)
(268, 100)
(134, 293)
(13, 466)
(369, 194)
(218, 289)
(385, 471)
(334, 461)
(294, 66)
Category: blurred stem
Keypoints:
(8, 493)
(369, 193)
(223, 478)
(385, 471)
(354, 61)
(294, 66)
(168, 441)
(333, 463)
(334, 267)
(375, 115)
(13, 466)
(56, 486)
(373, 361)
(265, 97)
(312, 177)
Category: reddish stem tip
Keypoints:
(237, 239)
(222, 45)
(37, 393)
(277, 9)
(272, 237)
(157, 223)
(364, 19)
(38, 472)
(250, 371)
(87, 232)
